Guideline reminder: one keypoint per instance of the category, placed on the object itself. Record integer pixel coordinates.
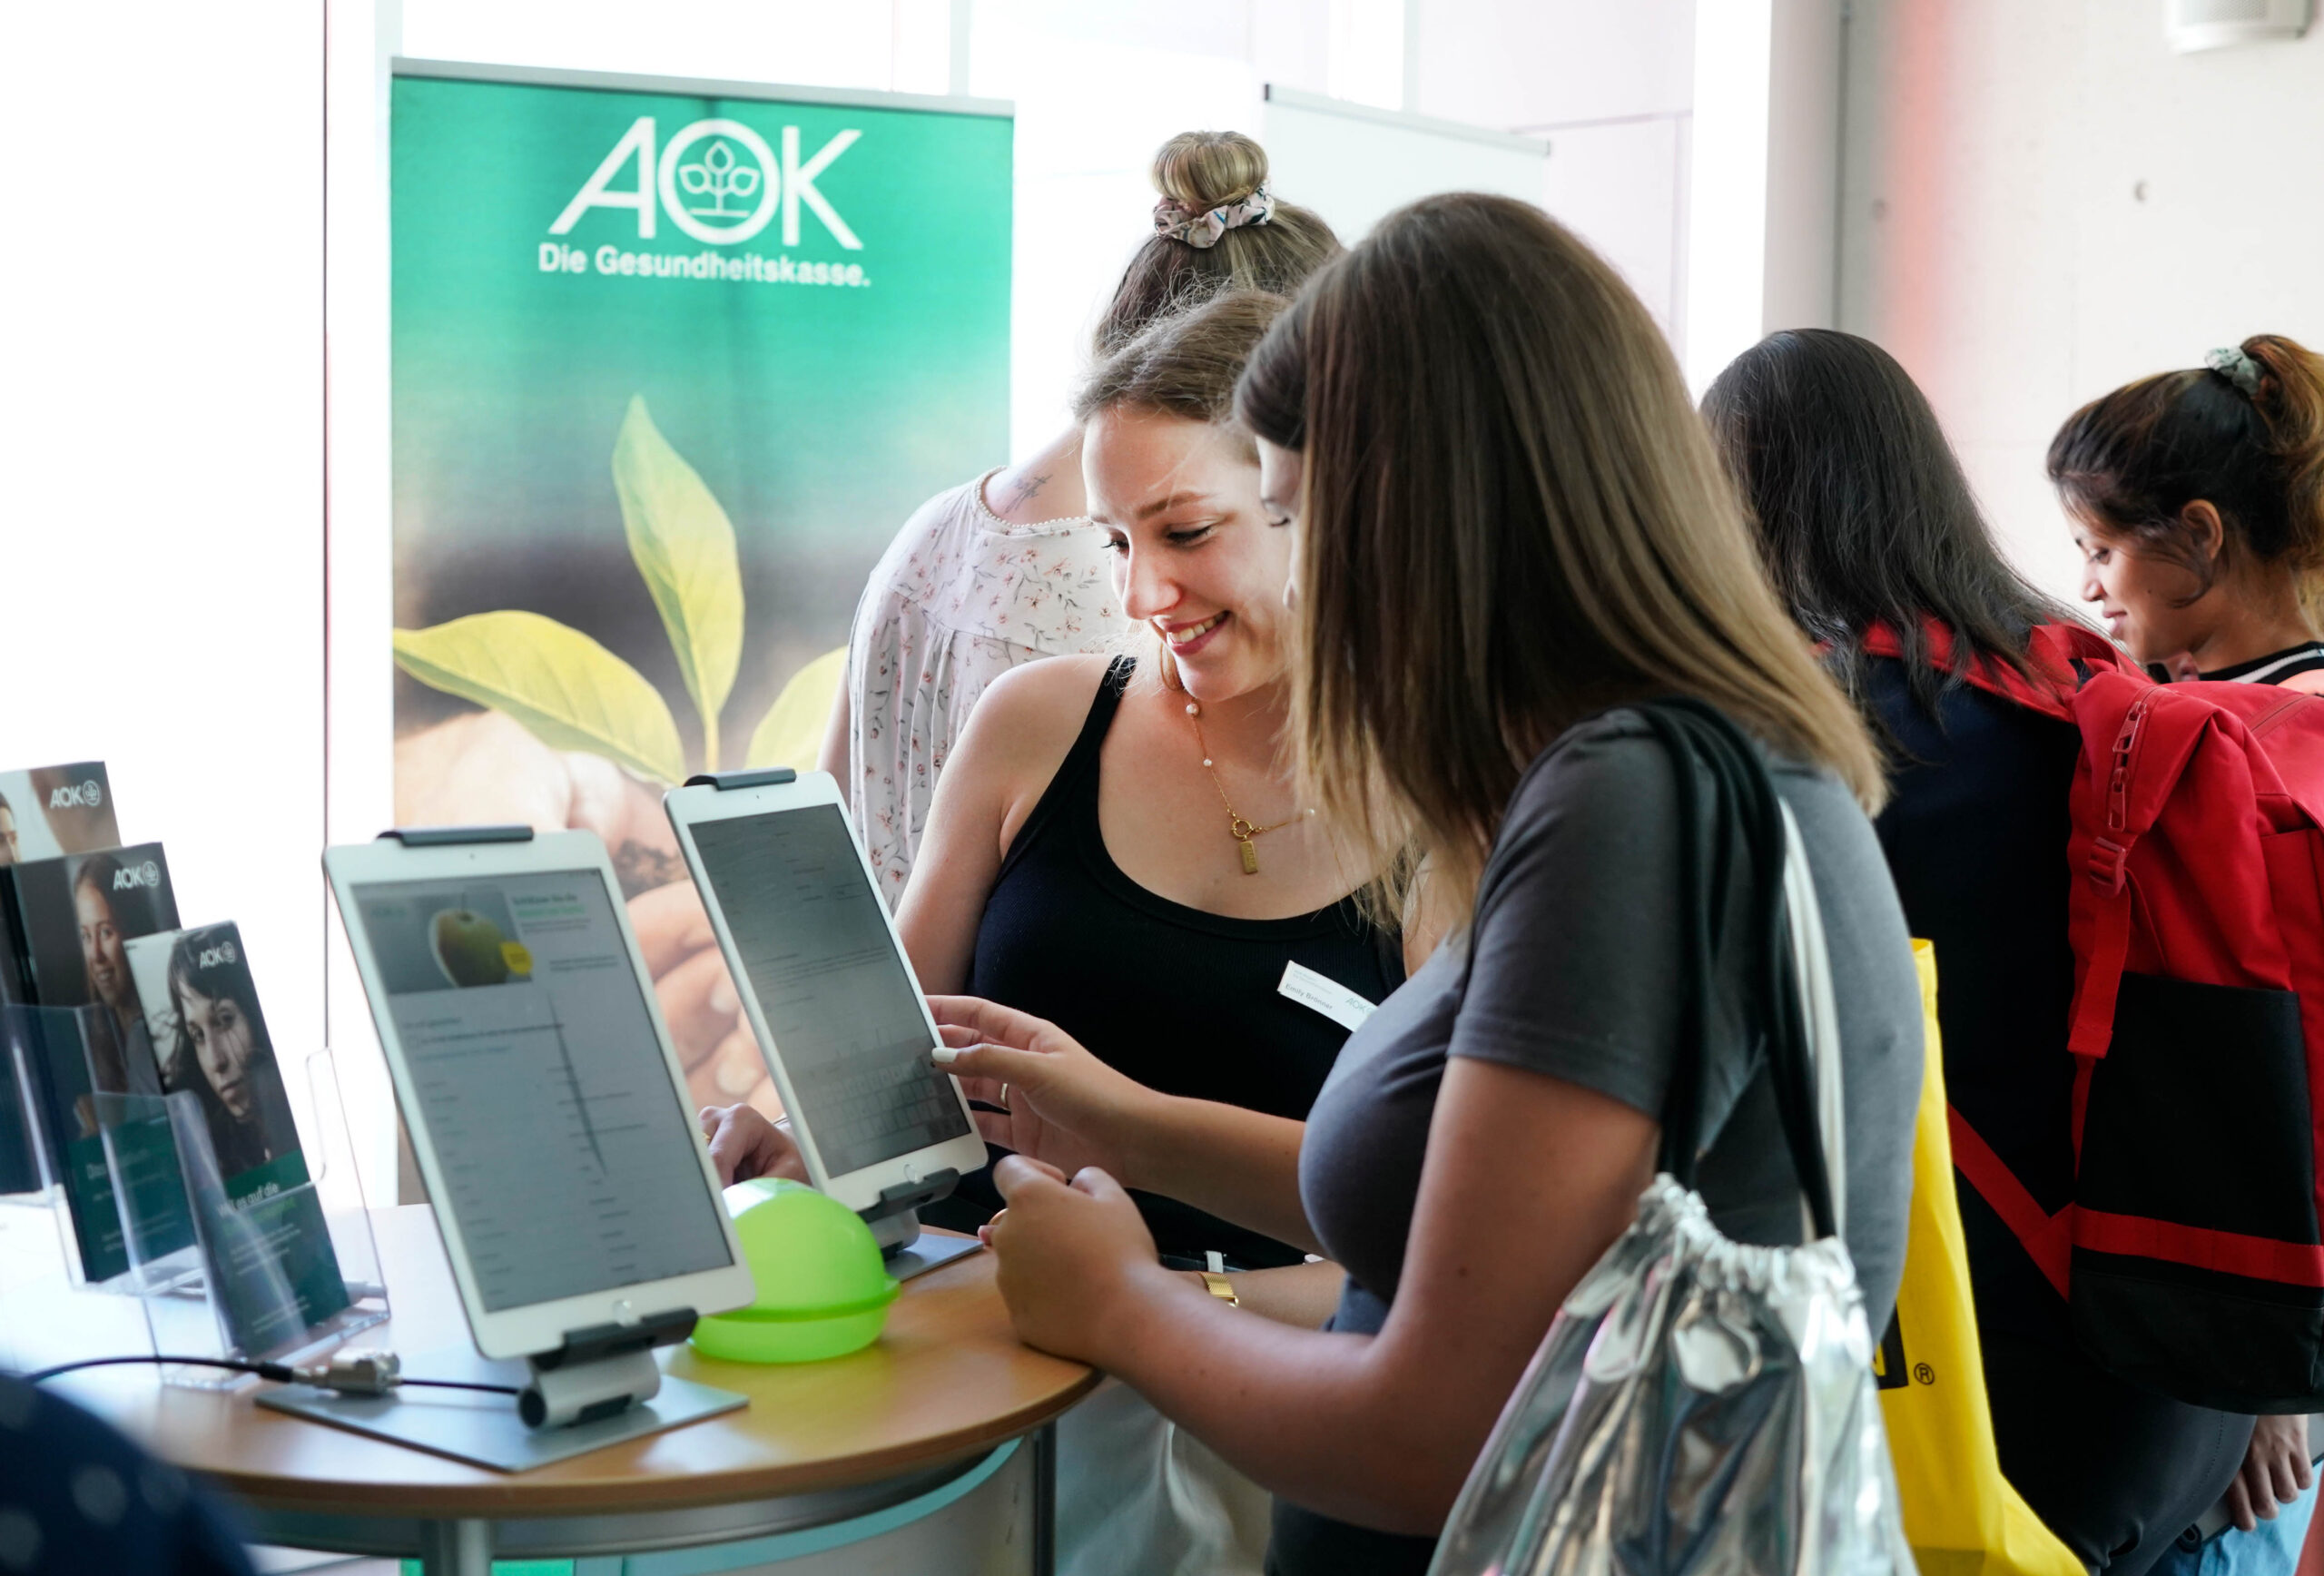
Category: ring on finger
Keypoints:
(1003, 1101)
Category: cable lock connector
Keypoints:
(353, 1372)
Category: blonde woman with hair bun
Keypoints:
(1008, 568)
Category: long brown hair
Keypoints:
(1862, 514)
(2132, 460)
(1512, 519)
(1201, 170)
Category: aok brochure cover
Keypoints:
(275, 1272)
(69, 1053)
(67, 919)
(47, 810)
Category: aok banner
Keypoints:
(669, 371)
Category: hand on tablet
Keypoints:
(1065, 1107)
(744, 1144)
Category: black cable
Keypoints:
(263, 1370)
(281, 1372)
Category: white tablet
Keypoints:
(829, 992)
(546, 1109)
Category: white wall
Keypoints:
(162, 559)
(2040, 203)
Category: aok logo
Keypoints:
(77, 795)
(148, 874)
(211, 957)
(717, 180)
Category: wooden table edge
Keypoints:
(519, 1496)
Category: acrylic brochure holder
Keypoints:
(895, 1219)
(239, 1258)
(290, 1264)
(52, 1309)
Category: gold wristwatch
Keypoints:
(1220, 1287)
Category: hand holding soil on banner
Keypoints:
(575, 737)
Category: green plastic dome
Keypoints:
(822, 1289)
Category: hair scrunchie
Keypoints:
(2238, 369)
(1201, 231)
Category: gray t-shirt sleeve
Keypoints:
(1574, 967)
(1576, 971)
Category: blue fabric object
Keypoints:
(2269, 1549)
(75, 1496)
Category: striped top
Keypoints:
(2280, 667)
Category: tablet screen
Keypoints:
(563, 1145)
(815, 944)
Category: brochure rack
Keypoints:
(160, 1250)
(288, 1268)
(52, 1309)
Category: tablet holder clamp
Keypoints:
(759, 777)
(452, 836)
(599, 1371)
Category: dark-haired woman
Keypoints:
(1866, 521)
(2197, 498)
(1509, 526)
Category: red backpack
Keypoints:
(2190, 1255)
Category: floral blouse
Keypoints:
(959, 598)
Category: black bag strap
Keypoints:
(1731, 829)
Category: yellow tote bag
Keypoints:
(1961, 1515)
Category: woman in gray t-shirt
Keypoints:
(1511, 526)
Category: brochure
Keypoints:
(19, 1161)
(276, 1274)
(95, 1133)
(68, 919)
(53, 810)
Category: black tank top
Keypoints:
(1183, 1001)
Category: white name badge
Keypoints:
(1326, 996)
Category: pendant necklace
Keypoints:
(1240, 830)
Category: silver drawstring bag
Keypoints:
(1700, 1404)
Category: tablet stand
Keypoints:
(895, 1226)
(600, 1371)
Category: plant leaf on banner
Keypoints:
(792, 732)
(684, 549)
(571, 691)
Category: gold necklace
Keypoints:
(1237, 828)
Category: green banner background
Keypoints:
(818, 416)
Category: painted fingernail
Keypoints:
(943, 1055)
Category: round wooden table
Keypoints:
(947, 1384)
